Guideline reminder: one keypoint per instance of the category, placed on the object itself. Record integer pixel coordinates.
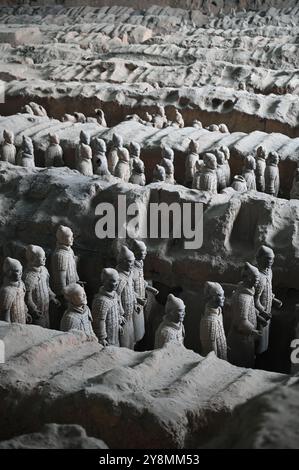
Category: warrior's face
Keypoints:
(217, 300)
(40, 259)
(78, 298)
(111, 283)
(16, 273)
(128, 263)
(252, 279)
(140, 253)
(266, 261)
(68, 238)
(178, 314)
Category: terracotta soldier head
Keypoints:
(75, 295)
(210, 161)
(261, 152)
(126, 259)
(167, 152)
(139, 249)
(84, 138)
(110, 279)
(123, 155)
(135, 149)
(117, 140)
(64, 235)
(194, 146)
(220, 156)
(159, 173)
(273, 159)
(175, 309)
(214, 294)
(226, 151)
(223, 128)
(8, 136)
(27, 145)
(12, 269)
(265, 257)
(249, 163)
(35, 256)
(250, 275)
(239, 184)
(100, 145)
(53, 139)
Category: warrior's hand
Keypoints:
(262, 321)
(104, 342)
(28, 318)
(56, 301)
(277, 303)
(257, 333)
(141, 301)
(37, 314)
(152, 290)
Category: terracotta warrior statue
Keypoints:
(159, 174)
(272, 181)
(117, 143)
(220, 170)
(239, 184)
(107, 312)
(137, 174)
(135, 151)
(25, 156)
(248, 172)
(84, 155)
(54, 152)
(212, 335)
(264, 297)
(178, 120)
(99, 159)
(122, 169)
(101, 117)
(226, 152)
(38, 291)
(261, 157)
(8, 148)
(127, 295)
(191, 159)
(159, 120)
(207, 180)
(171, 329)
(167, 159)
(244, 331)
(12, 294)
(64, 262)
(77, 316)
(141, 286)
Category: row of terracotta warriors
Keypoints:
(117, 311)
(208, 173)
(117, 314)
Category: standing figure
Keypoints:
(159, 174)
(84, 155)
(38, 291)
(178, 120)
(248, 172)
(107, 311)
(140, 287)
(167, 159)
(261, 157)
(226, 152)
(272, 174)
(159, 120)
(135, 152)
(137, 174)
(77, 316)
(64, 262)
(191, 159)
(25, 156)
(100, 163)
(212, 335)
(127, 295)
(171, 329)
(243, 331)
(221, 170)
(101, 117)
(207, 180)
(8, 148)
(122, 169)
(117, 143)
(264, 297)
(54, 152)
(12, 294)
